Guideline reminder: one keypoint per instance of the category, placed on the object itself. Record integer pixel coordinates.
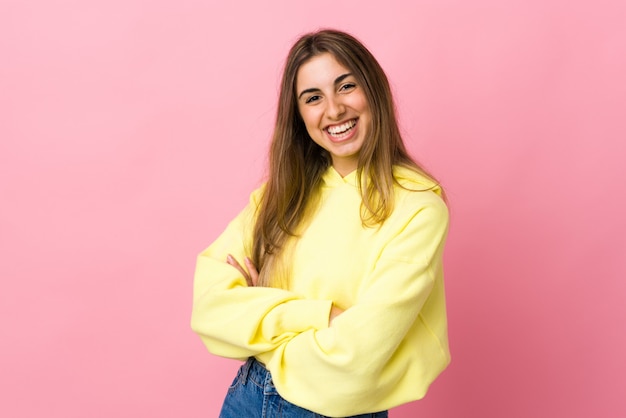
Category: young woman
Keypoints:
(329, 283)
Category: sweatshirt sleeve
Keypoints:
(387, 348)
(237, 321)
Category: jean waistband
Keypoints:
(254, 371)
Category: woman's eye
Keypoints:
(312, 99)
(347, 86)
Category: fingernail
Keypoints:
(229, 257)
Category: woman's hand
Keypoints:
(251, 275)
(335, 311)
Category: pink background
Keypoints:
(133, 130)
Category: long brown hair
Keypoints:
(297, 163)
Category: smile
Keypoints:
(341, 131)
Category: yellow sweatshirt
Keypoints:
(391, 341)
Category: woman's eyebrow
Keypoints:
(315, 89)
(342, 77)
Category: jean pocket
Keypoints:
(236, 381)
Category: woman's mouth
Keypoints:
(341, 132)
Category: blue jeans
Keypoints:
(253, 395)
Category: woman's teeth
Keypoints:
(340, 130)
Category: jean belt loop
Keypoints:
(246, 370)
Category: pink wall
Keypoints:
(132, 131)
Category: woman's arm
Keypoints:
(235, 320)
(251, 275)
(387, 348)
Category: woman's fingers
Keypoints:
(254, 274)
(251, 275)
(231, 260)
(335, 311)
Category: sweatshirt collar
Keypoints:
(333, 179)
(405, 176)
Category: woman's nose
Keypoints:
(335, 108)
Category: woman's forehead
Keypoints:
(320, 70)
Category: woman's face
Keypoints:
(334, 109)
